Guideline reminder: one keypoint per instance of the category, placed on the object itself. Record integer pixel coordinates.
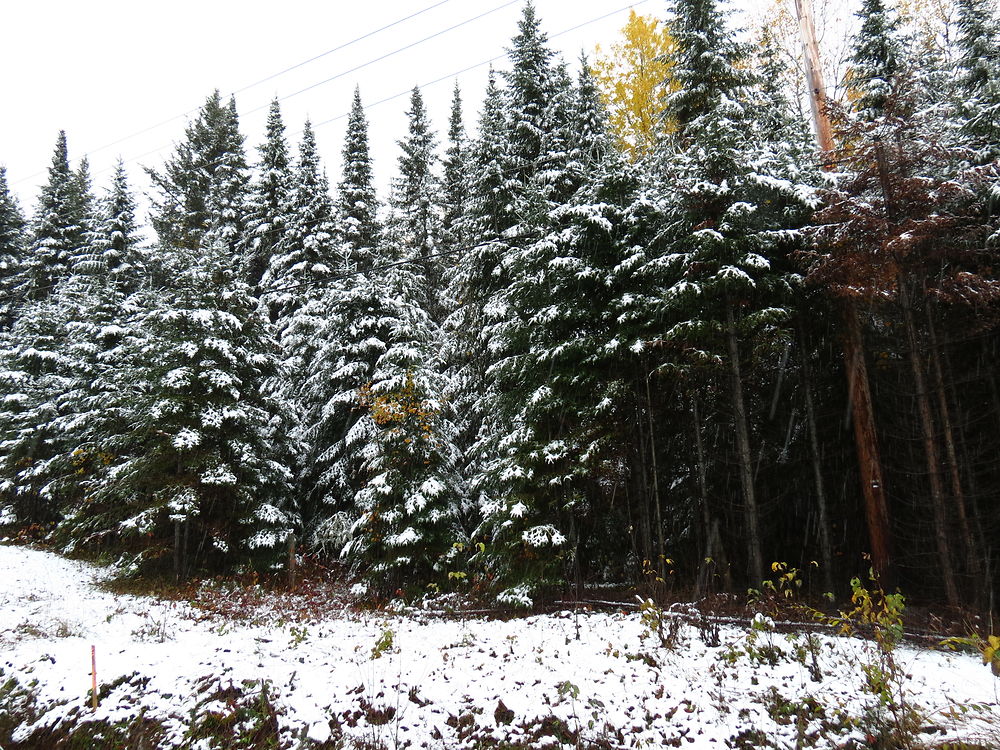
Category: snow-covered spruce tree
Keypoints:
(455, 175)
(878, 57)
(116, 241)
(530, 91)
(414, 228)
(202, 186)
(83, 207)
(101, 299)
(355, 315)
(724, 287)
(197, 474)
(977, 86)
(557, 375)
(267, 203)
(476, 276)
(35, 373)
(306, 255)
(357, 203)
(55, 231)
(13, 239)
(407, 502)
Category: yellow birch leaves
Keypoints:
(634, 77)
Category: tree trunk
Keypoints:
(826, 548)
(755, 569)
(972, 553)
(661, 555)
(178, 563)
(930, 449)
(866, 445)
(701, 582)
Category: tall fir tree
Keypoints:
(56, 230)
(977, 86)
(117, 239)
(415, 226)
(357, 202)
(878, 57)
(202, 186)
(12, 247)
(455, 173)
(725, 288)
(528, 82)
(307, 252)
(266, 219)
(197, 478)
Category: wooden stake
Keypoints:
(93, 676)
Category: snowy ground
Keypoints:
(369, 680)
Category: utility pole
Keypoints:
(862, 410)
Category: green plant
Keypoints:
(384, 644)
(658, 623)
(298, 634)
(806, 650)
(759, 646)
(890, 721)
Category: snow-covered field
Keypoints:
(373, 680)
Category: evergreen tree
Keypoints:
(455, 173)
(416, 223)
(554, 374)
(978, 43)
(83, 207)
(55, 230)
(266, 220)
(878, 57)
(12, 246)
(977, 89)
(357, 204)
(408, 489)
(307, 252)
(530, 91)
(722, 254)
(477, 276)
(117, 242)
(198, 474)
(202, 185)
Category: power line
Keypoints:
(481, 64)
(341, 47)
(271, 77)
(436, 81)
(435, 35)
(344, 73)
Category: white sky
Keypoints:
(123, 77)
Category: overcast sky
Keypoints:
(123, 77)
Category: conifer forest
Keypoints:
(557, 353)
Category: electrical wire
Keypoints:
(271, 77)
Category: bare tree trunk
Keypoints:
(866, 445)
(755, 561)
(641, 484)
(826, 548)
(661, 555)
(701, 582)
(178, 563)
(930, 449)
(972, 553)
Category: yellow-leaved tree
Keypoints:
(634, 77)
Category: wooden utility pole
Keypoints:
(862, 410)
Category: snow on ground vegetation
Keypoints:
(172, 677)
